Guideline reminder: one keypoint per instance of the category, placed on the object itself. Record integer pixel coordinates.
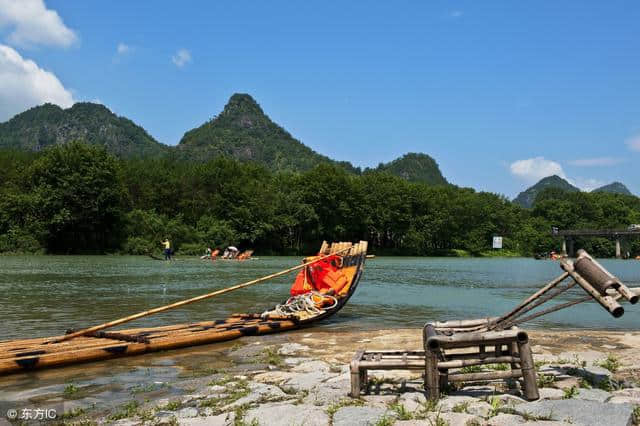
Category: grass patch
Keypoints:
(235, 390)
(496, 406)
(636, 415)
(402, 413)
(611, 363)
(461, 407)
(129, 409)
(533, 418)
(271, 356)
(240, 413)
(545, 380)
(149, 387)
(172, 406)
(570, 393)
(498, 367)
(385, 421)
(471, 369)
(70, 390)
(584, 383)
(72, 414)
(345, 402)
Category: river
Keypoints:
(45, 295)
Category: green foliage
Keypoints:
(128, 409)
(415, 167)
(571, 392)
(611, 363)
(47, 125)
(76, 198)
(545, 380)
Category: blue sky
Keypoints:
(499, 93)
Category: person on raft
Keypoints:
(167, 249)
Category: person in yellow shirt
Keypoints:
(167, 249)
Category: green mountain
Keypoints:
(527, 197)
(243, 131)
(48, 124)
(415, 167)
(614, 188)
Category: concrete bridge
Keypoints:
(569, 234)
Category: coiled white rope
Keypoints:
(304, 303)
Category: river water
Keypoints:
(45, 295)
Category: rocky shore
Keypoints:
(302, 378)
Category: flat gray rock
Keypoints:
(187, 412)
(412, 401)
(593, 374)
(505, 420)
(593, 395)
(550, 393)
(259, 392)
(579, 411)
(292, 348)
(305, 381)
(287, 415)
(479, 408)
(358, 416)
(224, 419)
(449, 402)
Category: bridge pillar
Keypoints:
(564, 246)
(618, 251)
(571, 251)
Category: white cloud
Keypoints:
(586, 184)
(634, 143)
(534, 169)
(456, 13)
(123, 49)
(596, 162)
(23, 84)
(31, 23)
(181, 58)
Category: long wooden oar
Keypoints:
(187, 301)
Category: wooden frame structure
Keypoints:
(381, 360)
(443, 360)
(452, 345)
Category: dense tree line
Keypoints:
(77, 198)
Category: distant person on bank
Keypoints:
(167, 249)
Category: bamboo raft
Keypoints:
(94, 344)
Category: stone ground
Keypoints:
(303, 379)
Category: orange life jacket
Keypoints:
(323, 276)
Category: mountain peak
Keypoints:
(614, 188)
(244, 132)
(244, 112)
(48, 124)
(415, 167)
(527, 197)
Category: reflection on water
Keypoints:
(45, 295)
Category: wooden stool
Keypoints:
(508, 346)
(381, 360)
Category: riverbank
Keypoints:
(303, 378)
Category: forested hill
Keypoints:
(614, 188)
(527, 197)
(244, 132)
(415, 167)
(48, 124)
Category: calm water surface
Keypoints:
(45, 295)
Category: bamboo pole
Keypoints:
(607, 302)
(188, 301)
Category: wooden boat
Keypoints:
(345, 261)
